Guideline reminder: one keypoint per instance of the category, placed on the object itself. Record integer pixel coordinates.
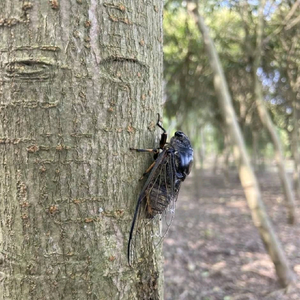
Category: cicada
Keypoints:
(172, 163)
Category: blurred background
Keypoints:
(213, 250)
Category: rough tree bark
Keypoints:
(80, 82)
(246, 173)
(268, 123)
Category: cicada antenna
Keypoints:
(158, 123)
(164, 136)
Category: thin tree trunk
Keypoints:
(295, 150)
(202, 147)
(80, 84)
(216, 163)
(226, 156)
(247, 176)
(255, 149)
(268, 124)
(294, 93)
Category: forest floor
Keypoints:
(213, 251)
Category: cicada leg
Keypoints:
(145, 150)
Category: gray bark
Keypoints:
(80, 83)
(246, 173)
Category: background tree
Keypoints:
(76, 77)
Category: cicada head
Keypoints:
(180, 140)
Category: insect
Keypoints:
(173, 162)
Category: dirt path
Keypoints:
(213, 251)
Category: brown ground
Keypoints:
(213, 251)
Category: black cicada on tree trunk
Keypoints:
(172, 164)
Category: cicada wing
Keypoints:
(171, 185)
(168, 217)
(139, 235)
(141, 232)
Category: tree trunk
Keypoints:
(202, 147)
(226, 156)
(216, 163)
(268, 124)
(295, 150)
(247, 176)
(255, 149)
(295, 96)
(80, 84)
